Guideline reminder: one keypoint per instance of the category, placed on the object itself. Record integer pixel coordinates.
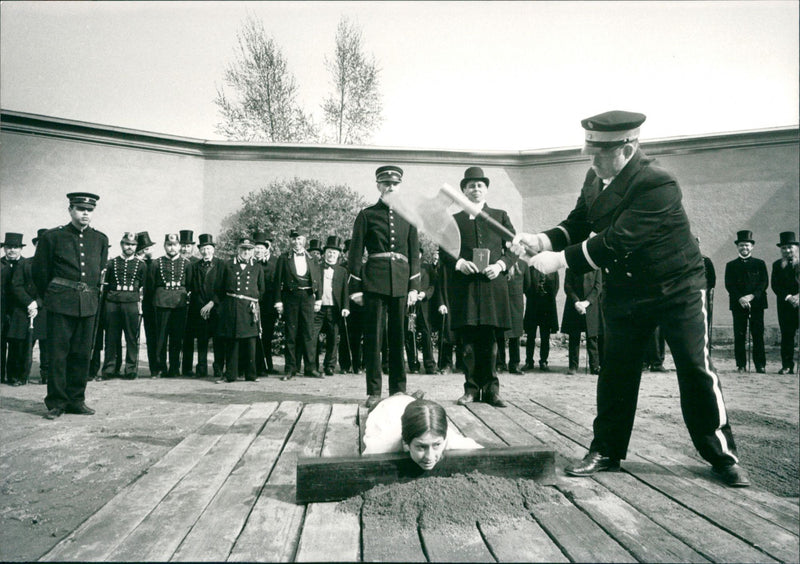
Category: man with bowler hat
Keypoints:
(630, 222)
(13, 342)
(203, 313)
(335, 301)
(67, 270)
(386, 284)
(785, 284)
(269, 317)
(746, 280)
(144, 251)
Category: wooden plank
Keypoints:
(358, 474)
(509, 430)
(103, 531)
(331, 535)
(161, 532)
(472, 427)
(455, 543)
(387, 540)
(645, 539)
(706, 538)
(521, 541)
(273, 528)
(216, 530)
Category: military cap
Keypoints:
(389, 173)
(262, 237)
(295, 232)
(172, 238)
(129, 237)
(39, 233)
(611, 129)
(245, 243)
(314, 245)
(187, 237)
(333, 242)
(83, 199)
(12, 240)
(744, 236)
(474, 173)
(786, 238)
(206, 239)
(143, 240)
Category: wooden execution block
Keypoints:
(337, 478)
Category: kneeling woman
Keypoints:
(401, 423)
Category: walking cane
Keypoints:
(347, 342)
(441, 340)
(138, 343)
(749, 319)
(26, 367)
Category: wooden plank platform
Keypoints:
(227, 493)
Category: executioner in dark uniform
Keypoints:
(630, 222)
(67, 271)
(385, 284)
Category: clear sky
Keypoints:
(455, 75)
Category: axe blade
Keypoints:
(430, 215)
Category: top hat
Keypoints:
(39, 233)
(13, 240)
(389, 173)
(744, 236)
(143, 240)
(129, 237)
(206, 239)
(295, 232)
(333, 242)
(83, 199)
(245, 243)
(474, 173)
(788, 238)
(187, 237)
(262, 237)
(610, 129)
(314, 245)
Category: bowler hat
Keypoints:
(83, 199)
(389, 173)
(206, 239)
(788, 238)
(295, 232)
(13, 240)
(474, 173)
(744, 236)
(262, 237)
(39, 233)
(333, 242)
(128, 237)
(143, 240)
(187, 237)
(314, 245)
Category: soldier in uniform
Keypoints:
(238, 293)
(269, 317)
(168, 279)
(67, 271)
(386, 284)
(125, 278)
(298, 298)
(746, 280)
(189, 334)
(144, 251)
(630, 222)
(785, 284)
(335, 301)
(13, 342)
(203, 313)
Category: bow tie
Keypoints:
(299, 254)
(328, 267)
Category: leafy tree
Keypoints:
(353, 109)
(264, 107)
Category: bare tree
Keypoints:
(264, 106)
(353, 109)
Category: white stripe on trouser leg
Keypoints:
(721, 412)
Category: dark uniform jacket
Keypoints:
(168, 281)
(474, 299)
(339, 290)
(540, 303)
(785, 282)
(239, 318)
(643, 241)
(379, 230)
(23, 292)
(518, 280)
(286, 279)
(124, 279)
(578, 288)
(270, 268)
(743, 277)
(67, 269)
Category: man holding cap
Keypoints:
(386, 284)
(67, 271)
(785, 284)
(629, 221)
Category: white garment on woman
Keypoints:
(383, 431)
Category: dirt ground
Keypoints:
(55, 474)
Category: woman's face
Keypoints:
(426, 450)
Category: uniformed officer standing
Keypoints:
(144, 250)
(269, 317)
(13, 342)
(125, 278)
(386, 284)
(653, 276)
(203, 313)
(168, 278)
(67, 271)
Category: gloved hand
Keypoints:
(548, 262)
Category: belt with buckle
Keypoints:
(389, 255)
(241, 297)
(80, 286)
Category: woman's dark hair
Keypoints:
(421, 416)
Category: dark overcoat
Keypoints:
(579, 288)
(743, 277)
(518, 278)
(23, 292)
(203, 282)
(540, 301)
(239, 317)
(785, 282)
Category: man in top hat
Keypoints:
(315, 249)
(67, 271)
(144, 251)
(189, 336)
(125, 279)
(476, 292)
(627, 200)
(187, 245)
(238, 293)
(203, 316)
(13, 344)
(785, 284)
(269, 317)
(168, 279)
(386, 284)
(746, 280)
(298, 296)
(335, 301)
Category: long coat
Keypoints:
(743, 277)
(518, 279)
(239, 317)
(203, 283)
(540, 303)
(583, 287)
(23, 292)
(474, 299)
(785, 281)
